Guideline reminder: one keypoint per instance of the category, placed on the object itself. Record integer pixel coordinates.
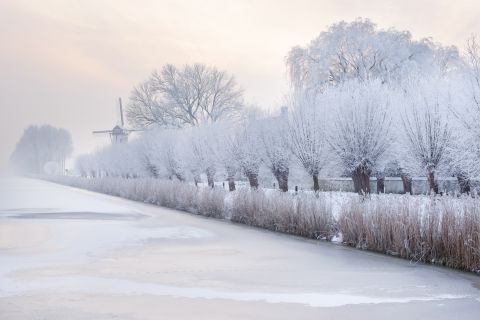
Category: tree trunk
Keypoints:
(283, 182)
(463, 183)
(210, 180)
(231, 184)
(316, 185)
(407, 183)
(152, 170)
(431, 181)
(381, 185)
(282, 178)
(179, 176)
(361, 180)
(253, 180)
(196, 177)
(231, 178)
(210, 172)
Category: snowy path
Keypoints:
(72, 254)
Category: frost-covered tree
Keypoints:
(428, 136)
(276, 154)
(40, 145)
(359, 50)
(163, 153)
(188, 96)
(307, 134)
(465, 107)
(83, 165)
(124, 161)
(248, 149)
(202, 153)
(118, 160)
(103, 163)
(360, 133)
(145, 158)
(471, 113)
(88, 165)
(226, 151)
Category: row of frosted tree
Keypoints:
(364, 102)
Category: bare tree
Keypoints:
(40, 145)
(145, 109)
(428, 137)
(190, 96)
(360, 130)
(307, 135)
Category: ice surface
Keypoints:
(25, 195)
(69, 244)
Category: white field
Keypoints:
(72, 254)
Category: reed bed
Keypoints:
(443, 230)
(438, 230)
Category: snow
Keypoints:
(118, 248)
(313, 299)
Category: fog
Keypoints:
(65, 62)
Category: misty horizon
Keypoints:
(66, 64)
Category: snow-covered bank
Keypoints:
(438, 230)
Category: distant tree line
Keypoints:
(42, 149)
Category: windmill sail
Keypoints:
(122, 124)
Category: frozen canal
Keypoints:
(72, 254)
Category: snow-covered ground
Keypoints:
(72, 254)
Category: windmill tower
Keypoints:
(119, 134)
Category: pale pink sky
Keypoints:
(65, 62)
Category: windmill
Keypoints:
(119, 134)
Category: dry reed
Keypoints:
(442, 230)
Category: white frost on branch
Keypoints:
(188, 96)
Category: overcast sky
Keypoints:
(65, 62)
